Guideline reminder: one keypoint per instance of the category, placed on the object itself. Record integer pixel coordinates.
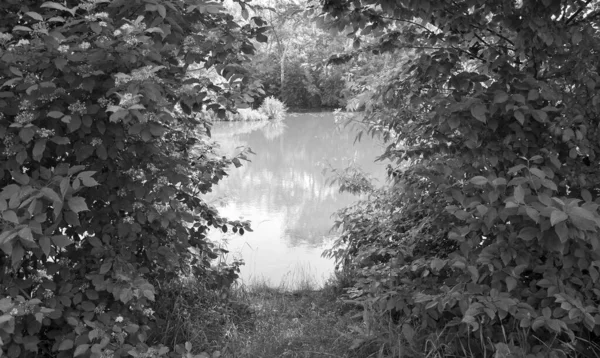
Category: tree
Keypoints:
(104, 163)
(492, 229)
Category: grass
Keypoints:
(297, 319)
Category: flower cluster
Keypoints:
(161, 208)
(48, 294)
(40, 28)
(5, 38)
(138, 206)
(45, 133)
(89, 5)
(148, 312)
(97, 16)
(103, 102)
(85, 70)
(96, 141)
(100, 308)
(25, 105)
(78, 107)
(84, 45)
(128, 220)
(128, 100)
(63, 48)
(122, 192)
(144, 73)
(152, 168)
(52, 96)
(24, 117)
(136, 174)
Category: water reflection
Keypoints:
(284, 192)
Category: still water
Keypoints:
(285, 194)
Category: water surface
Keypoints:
(284, 193)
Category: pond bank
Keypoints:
(303, 323)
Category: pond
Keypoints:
(284, 192)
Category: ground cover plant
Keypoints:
(102, 168)
(487, 243)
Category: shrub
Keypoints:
(273, 108)
(103, 167)
(491, 236)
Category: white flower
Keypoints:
(117, 33)
(63, 48)
(23, 42)
(103, 23)
(84, 45)
(14, 312)
(119, 319)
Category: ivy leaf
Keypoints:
(77, 204)
(478, 111)
(558, 216)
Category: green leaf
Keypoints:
(562, 231)
(519, 117)
(38, 149)
(558, 216)
(55, 114)
(479, 180)
(44, 243)
(81, 349)
(65, 345)
(10, 216)
(34, 15)
(540, 116)
(500, 97)
(61, 241)
(528, 233)
(511, 283)
(77, 204)
(519, 194)
(478, 111)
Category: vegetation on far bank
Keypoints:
(271, 109)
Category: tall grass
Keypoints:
(273, 108)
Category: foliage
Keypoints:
(273, 108)
(301, 48)
(103, 165)
(493, 229)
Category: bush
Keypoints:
(103, 167)
(489, 240)
(273, 108)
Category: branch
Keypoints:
(578, 12)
